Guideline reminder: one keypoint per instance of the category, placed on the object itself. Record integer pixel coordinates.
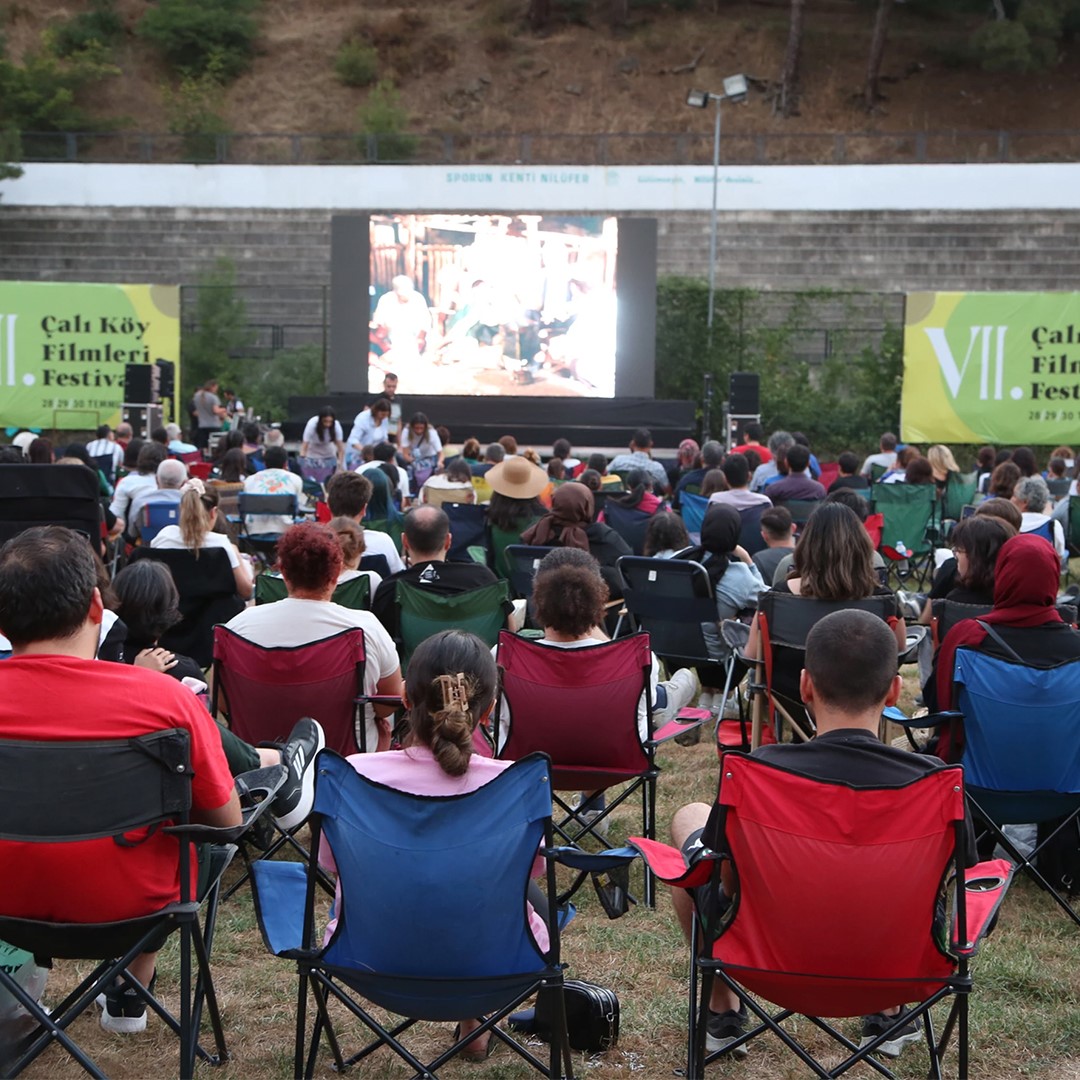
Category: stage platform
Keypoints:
(536, 422)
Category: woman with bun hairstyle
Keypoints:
(450, 687)
(198, 516)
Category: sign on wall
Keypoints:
(64, 348)
(991, 368)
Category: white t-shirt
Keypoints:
(321, 448)
(402, 478)
(886, 459)
(127, 489)
(428, 446)
(273, 482)
(1031, 521)
(374, 580)
(171, 539)
(380, 543)
(365, 432)
(299, 622)
(101, 447)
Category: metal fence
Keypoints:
(606, 148)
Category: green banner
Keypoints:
(64, 348)
(991, 368)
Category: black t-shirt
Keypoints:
(945, 580)
(857, 483)
(440, 578)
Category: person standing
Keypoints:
(209, 412)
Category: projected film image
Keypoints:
(493, 304)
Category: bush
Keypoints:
(382, 121)
(100, 27)
(192, 109)
(10, 152)
(192, 33)
(265, 385)
(357, 63)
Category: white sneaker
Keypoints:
(681, 689)
(705, 699)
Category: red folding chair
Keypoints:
(580, 707)
(837, 911)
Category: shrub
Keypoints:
(10, 152)
(219, 331)
(383, 121)
(191, 33)
(192, 109)
(1003, 46)
(265, 385)
(100, 27)
(357, 63)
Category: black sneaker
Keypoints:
(878, 1023)
(722, 1029)
(293, 802)
(123, 1012)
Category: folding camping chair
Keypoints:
(106, 464)
(1021, 757)
(784, 622)
(407, 866)
(354, 593)
(317, 474)
(468, 533)
(580, 707)
(423, 614)
(263, 545)
(522, 561)
(49, 495)
(207, 591)
(960, 489)
(156, 516)
(800, 510)
(131, 785)
(692, 507)
(909, 528)
(262, 692)
(750, 537)
(630, 524)
(821, 925)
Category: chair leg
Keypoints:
(931, 1046)
(204, 990)
(693, 1067)
(188, 1038)
(301, 1026)
(649, 822)
(962, 1037)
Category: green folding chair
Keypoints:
(355, 593)
(909, 525)
(423, 614)
(501, 539)
(960, 489)
(391, 528)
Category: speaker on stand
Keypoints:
(743, 404)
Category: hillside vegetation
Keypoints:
(467, 66)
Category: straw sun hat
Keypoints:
(517, 478)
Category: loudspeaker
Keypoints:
(141, 384)
(166, 378)
(743, 393)
(142, 418)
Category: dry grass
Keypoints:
(1025, 1011)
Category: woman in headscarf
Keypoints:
(570, 524)
(1025, 618)
(688, 459)
(735, 579)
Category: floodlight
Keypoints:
(697, 99)
(735, 88)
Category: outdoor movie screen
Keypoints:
(494, 304)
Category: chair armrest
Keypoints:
(256, 789)
(736, 635)
(915, 634)
(688, 719)
(591, 862)
(985, 887)
(669, 864)
(896, 716)
(379, 699)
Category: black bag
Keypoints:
(592, 1015)
(1059, 861)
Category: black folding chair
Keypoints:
(468, 529)
(249, 506)
(50, 495)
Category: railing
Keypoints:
(608, 148)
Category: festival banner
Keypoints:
(998, 368)
(64, 348)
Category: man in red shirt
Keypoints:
(752, 435)
(54, 689)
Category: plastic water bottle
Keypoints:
(901, 549)
(30, 977)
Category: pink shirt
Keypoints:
(416, 771)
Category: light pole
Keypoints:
(735, 90)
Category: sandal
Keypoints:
(476, 1055)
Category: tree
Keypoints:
(789, 77)
(10, 152)
(877, 53)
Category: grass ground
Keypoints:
(1025, 1012)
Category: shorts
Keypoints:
(691, 848)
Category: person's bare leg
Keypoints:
(142, 967)
(479, 1047)
(689, 819)
(268, 756)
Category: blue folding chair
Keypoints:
(410, 866)
(629, 523)
(155, 517)
(468, 529)
(693, 509)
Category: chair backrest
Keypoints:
(318, 474)
(500, 540)
(155, 517)
(907, 511)
(482, 489)
(376, 563)
(107, 464)
(1073, 527)
(830, 471)
(263, 691)
(579, 706)
(822, 868)
(400, 856)
(49, 495)
(522, 561)
(354, 593)
(960, 489)
(423, 614)
(1058, 488)
(1020, 724)
(468, 528)
(278, 505)
(750, 536)
(630, 524)
(190, 457)
(200, 469)
(1045, 530)
(800, 509)
(670, 599)
(877, 471)
(874, 524)
(207, 591)
(692, 507)
(947, 613)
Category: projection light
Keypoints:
(697, 99)
(735, 88)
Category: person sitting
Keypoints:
(383, 459)
(640, 457)
(470, 451)
(231, 471)
(918, 471)
(750, 440)
(562, 449)
(105, 444)
(493, 455)
(426, 540)
(849, 475)
(1003, 481)
(310, 561)
(779, 442)
(515, 505)
(797, 484)
(1031, 497)
(637, 496)
(421, 448)
(273, 479)
(712, 454)
(348, 495)
(849, 676)
(352, 539)
(591, 479)
(984, 467)
(570, 524)
(170, 477)
(174, 444)
(198, 516)
(885, 459)
(665, 536)
(686, 460)
(450, 689)
(778, 532)
(453, 484)
(40, 452)
(738, 495)
(1023, 457)
(598, 463)
(943, 465)
(713, 483)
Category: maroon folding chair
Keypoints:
(580, 707)
(837, 910)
